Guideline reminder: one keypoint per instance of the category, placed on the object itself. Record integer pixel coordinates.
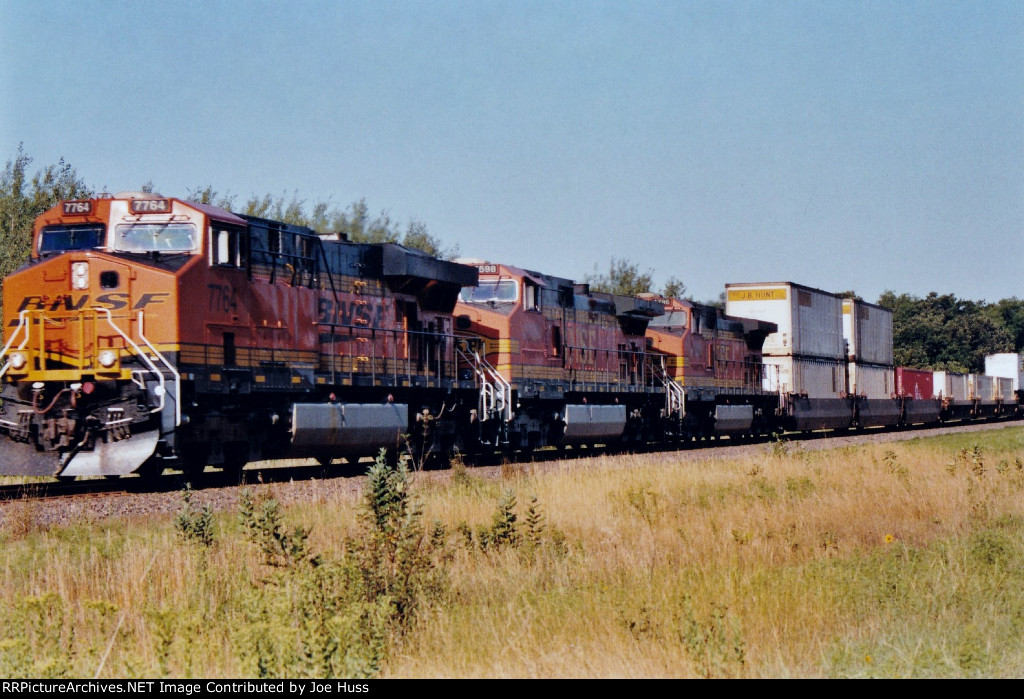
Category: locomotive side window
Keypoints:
(227, 246)
(155, 237)
(530, 300)
(60, 238)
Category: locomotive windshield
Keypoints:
(55, 239)
(490, 291)
(155, 237)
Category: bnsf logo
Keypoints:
(67, 302)
(352, 313)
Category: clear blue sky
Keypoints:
(843, 145)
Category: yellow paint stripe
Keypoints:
(757, 294)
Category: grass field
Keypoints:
(892, 560)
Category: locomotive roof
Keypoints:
(400, 261)
(215, 212)
(619, 305)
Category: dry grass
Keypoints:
(885, 560)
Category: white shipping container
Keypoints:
(948, 384)
(815, 378)
(867, 329)
(982, 388)
(871, 380)
(1007, 365)
(1004, 389)
(810, 320)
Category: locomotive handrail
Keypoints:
(636, 369)
(491, 399)
(170, 367)
(435, 362)
(675, 396)
(142, 355)
(22, 324)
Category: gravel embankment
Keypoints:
(41, 514)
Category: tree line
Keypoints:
(939, 332)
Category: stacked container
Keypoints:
(914, 383)
(867, 329)
(915, 388)
(808, 346)
(1008, 365)
(805, 358)
(952, 387)
(982, 389)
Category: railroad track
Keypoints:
(272, 472)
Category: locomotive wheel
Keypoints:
(151, 470)
(194, 458)
(236, 456)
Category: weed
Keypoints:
(799, 487)
(761, 489)
(893, 466)
(338, 617)
(714, 642)
(504, 531)
(466, 534)
(460, 473)
(263, 526)
(741, 537)
(534, 523)
(780, 445)
(990, 547)
(194, 523)
(645, 502)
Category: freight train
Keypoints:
(149, 332)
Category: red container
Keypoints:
(914, 383)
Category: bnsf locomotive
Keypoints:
(149, 332)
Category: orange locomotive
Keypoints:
(716, 369)
(149, 331)
(558, 363)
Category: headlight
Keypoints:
(18, 361)
(107, 358)
(80, 275)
